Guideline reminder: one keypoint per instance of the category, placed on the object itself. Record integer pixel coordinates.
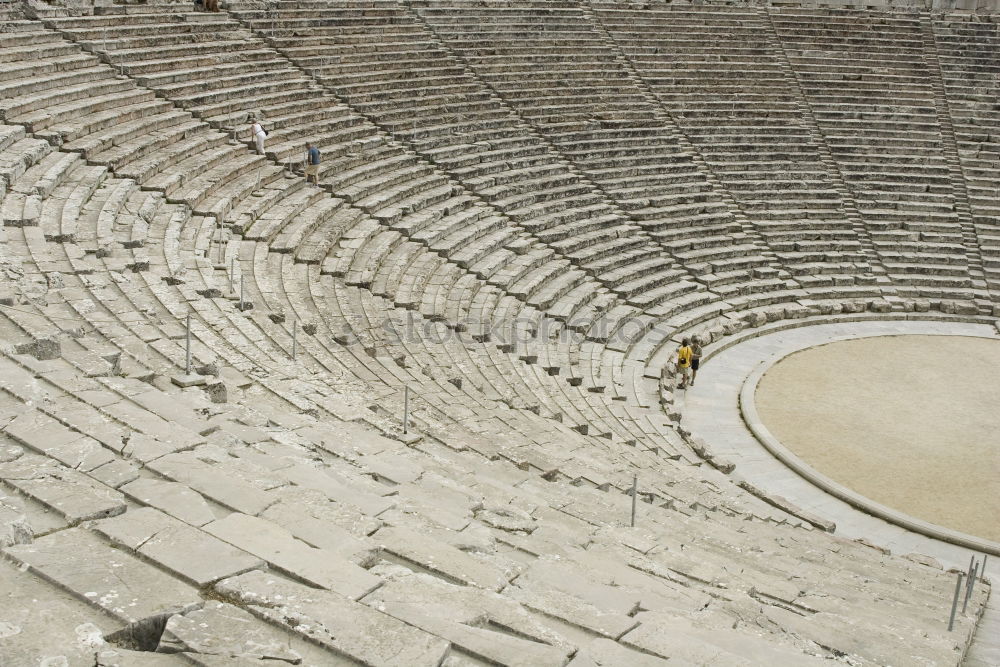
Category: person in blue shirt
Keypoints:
(312, 163)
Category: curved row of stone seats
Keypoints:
(882, 125)
(83, 105)
(562, 76)
(487, 148)
(724, 80)
(506, 523)
(969, 56)
(264, 485)
(110, 219)
(123, 299)
(226, 92)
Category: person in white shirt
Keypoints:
(259, 135)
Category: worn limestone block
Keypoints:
(786, 505)
(14, 525)
(319, 533)
(485, 624)
(439, 559)
(572, 609)
(116, 473)
(123, 586)
(606, 653)
(188, 552)
(334, 621)
(220, 629)
(279, 547)
(178, 500)
(41, 624)
(682, 641)
(211, 481)
(40, 432)
(69, 493)
(310, 503)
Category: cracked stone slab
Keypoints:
(315, 504)
(178, 500)
(188, 552)
(606, 653)
(439, 559)
(40, 432)
(40, 622)
(279, 547)
(319, 533)
(110, 579)
(335, 622)
(220, 629)
(482, 623)
(69, 493)
(680, 640)
(211, 481)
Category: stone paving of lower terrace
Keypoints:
(711, 410)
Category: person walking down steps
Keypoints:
(259, 135)
(312, 163)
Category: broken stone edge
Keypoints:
(751, 418)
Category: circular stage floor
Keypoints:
(911, 422)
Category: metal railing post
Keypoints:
(954, 602)
(635, 486)
(187, 347)
(406, 409)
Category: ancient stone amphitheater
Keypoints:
(523, 205)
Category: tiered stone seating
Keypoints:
(880, 121)
(554, 69)
(487, 148)
(182, 513)
(65, 96)
(967, 51)
(723, 79)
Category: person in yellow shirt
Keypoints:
(684, 362)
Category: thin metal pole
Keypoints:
(982, 572)
(954, 602)
(635, 486)
(406, 409)
(294, 342)
(241, 293)
(970, 584)
(187, 347)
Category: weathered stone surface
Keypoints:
(45, 435)
(319, 533)
(209, 480)
(678, 639)
(280, 548)
(40, 622)
(606, 653)
(72, 494)
(440, 559)
(119, 657)
(482, 623)
(14, 526)
(177, 500)
(334, 621)
(116, 473)
(188, 552)
(318, 505)
(220, 629)
(123, 586)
